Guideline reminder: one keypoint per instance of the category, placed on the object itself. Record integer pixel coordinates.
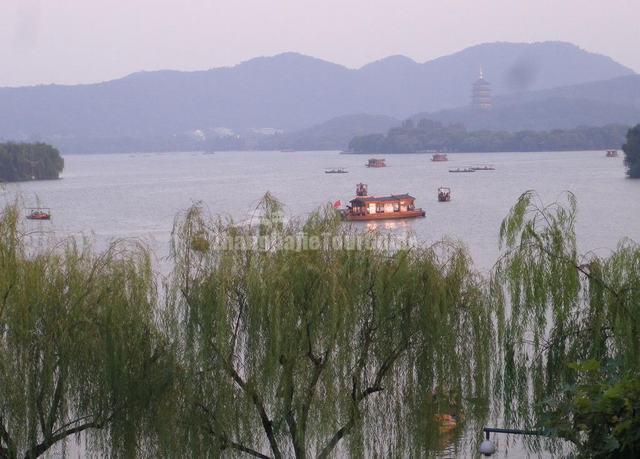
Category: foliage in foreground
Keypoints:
(632, 152)
(568, 316)
(29, 161)
(271, 351)
(307, 353)
(600, 414)
(79, 348)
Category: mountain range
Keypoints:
(292, 92)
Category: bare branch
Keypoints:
(224, 441)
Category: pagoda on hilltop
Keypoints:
(481, 93)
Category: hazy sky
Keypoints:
(78, 41)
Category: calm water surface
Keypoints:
(113, 196)
(121, 195)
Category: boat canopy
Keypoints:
(392, 198)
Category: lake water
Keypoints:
(121, 195)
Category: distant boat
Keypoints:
(209, 152)
(484, 167)
(612, 153)
(462, 169)
(39, 213)
(439, 157)
(374, 162)
(334, 170)
(444, 194)
(288, 150)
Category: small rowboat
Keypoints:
(39, 213)
(462, 169)
(444, 194)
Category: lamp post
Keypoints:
(487, 448)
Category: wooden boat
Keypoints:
(365, 207)
(374, 162)
(338, 170)
(444, 194)
(612, 153)
(439, 157)
(39, 213)
(462, 169)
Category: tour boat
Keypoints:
(339, 170)
(444, 194)
(612, 153)
(365, 207)
(484, 167)
(438, 157)
(39, 213)
(462, 169)
(374, 162)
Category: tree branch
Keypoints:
(224, 441)
(244, 449)
(267, 425)
(358, 398)
(4, 435)
(57, 398)
(234, 339)
(344, 430)
(41, 448)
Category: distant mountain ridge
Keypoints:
(288, 91)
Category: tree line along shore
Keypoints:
(427, 135)
(29, 161)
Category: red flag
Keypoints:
(337, 204)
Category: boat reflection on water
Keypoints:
(388, 225)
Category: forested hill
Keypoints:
(431, 135)
(29, 161)
(334, 134)
(288, 91)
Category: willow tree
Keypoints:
(570, 339)
(632, 152)
(311, 338)
(79, 348)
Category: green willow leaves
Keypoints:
(79, 348)
(563, 310)
(299, 338)
(310, 352)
